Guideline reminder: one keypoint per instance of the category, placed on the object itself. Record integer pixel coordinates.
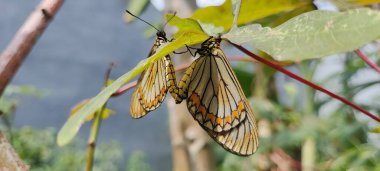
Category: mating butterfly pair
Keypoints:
(213, 95)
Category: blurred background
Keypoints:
(69, 61)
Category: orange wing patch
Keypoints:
(218, 124)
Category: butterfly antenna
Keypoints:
(141, 19)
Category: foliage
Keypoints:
(136, 162)
(38, 149)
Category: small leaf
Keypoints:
(135, 7)
(376, 130)
(312, 35)
(106, 112)
(184, 25)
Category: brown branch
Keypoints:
(22, 43)
(367, 60)
(9, 159)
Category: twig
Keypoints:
(296, 77)
(95, 126)
(21, 44)
(367, 60)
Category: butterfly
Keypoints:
(154, 82)
(215, 99)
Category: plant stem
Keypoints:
(95, 126)
(366, 59)
(298, 78)
(308, 154)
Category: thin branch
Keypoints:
(95, 126)
(21, 44)
(296, 77)
(367, 60)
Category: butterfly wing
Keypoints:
(151, 87)
(217, 102)
(213, 95)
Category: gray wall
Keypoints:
(69, 62)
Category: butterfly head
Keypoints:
(162, 36)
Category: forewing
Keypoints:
(151, 87)
(136, 110)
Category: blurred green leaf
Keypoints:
(187, 27)
(135, 7)
(376, 130)
(245, 78)
(38, 149)
(312, 35)
(24, 90)
(250, 10)
(136, 162)
(288, 15)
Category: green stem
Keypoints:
(308, 154)
(95, 126)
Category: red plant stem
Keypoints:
(290, 74)
(366, 59)
(21, 44)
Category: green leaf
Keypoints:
(250, 10)
(189, 33)
(135, 7)
(184, 25)
(312, 35)
(245, 79)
